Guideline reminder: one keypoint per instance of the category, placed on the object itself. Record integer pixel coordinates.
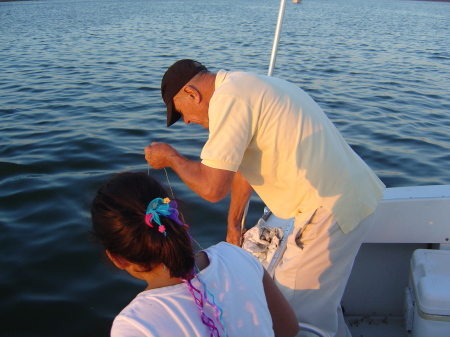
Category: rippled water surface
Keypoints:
(79, 100)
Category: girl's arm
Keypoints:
(283, 317)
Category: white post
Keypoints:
(276, 39)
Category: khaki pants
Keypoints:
(315, 268)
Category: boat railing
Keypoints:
(312, 329)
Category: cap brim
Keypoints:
(172, 115)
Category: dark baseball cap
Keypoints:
(175, 78)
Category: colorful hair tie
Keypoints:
(164, 207)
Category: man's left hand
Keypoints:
(234, 236)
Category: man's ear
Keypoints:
(193, 93)
(118, 260)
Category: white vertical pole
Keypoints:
(276, 39)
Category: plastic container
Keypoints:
(429, 287)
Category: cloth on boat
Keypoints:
(262, 241)
(315, 268)
(233, 276)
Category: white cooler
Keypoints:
(427, 304)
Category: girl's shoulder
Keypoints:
(227, 254)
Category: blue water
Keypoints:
(79, 100)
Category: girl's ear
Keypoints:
(118, 260)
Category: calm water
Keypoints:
(79, 100)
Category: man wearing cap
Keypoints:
(268, 135)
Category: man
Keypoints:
(268, 135)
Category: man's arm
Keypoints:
(209, 183)
(241, 191)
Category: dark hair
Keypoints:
(118, 222)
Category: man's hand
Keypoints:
(240, 194)
(209, 183)
(234, 235)
(158, 155)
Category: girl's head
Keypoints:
(119, 223)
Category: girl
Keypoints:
(221, 291)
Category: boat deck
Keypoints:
(376, 326)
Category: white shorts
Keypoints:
(315, 268)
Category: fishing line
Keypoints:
(197, 243)
(167, 177)
(173, 197)
(168, 181)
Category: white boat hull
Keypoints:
(408, 218)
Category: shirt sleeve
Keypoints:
(122, 328)
(232, 124)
